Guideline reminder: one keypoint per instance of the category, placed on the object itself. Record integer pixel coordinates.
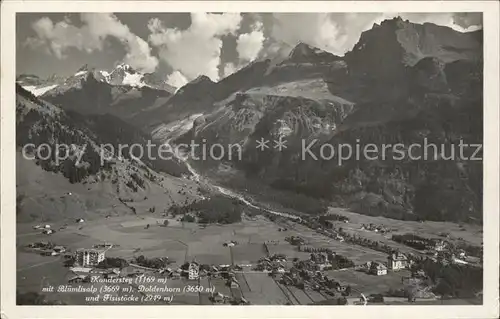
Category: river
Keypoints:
(225, 191)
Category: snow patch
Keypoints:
(80, 73)
(37, 91)
(133, 80)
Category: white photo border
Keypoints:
(490, 307)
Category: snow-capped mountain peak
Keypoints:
(123, 75)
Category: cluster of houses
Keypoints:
(273, 264)
(47, 248)
(231, 243)
(450, 257)
(193, 270)
(46, 229)
(395, 261)
(82, 257)
(375, 228)
(322, 260)
(304, 276)
(444, 252)
(190, 270)
(439, 250)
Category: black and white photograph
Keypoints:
(262, 158)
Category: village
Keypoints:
(292, 265)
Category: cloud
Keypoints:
(59, 37)
(248, 45)
(195, 51)
(176, 79)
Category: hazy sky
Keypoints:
(182, 46)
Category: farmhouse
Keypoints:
(378, 269)
(59, 249)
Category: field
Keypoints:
(470, 233)
(183, 242)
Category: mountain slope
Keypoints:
(89, 182)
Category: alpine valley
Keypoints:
(401, 83)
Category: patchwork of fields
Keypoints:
(182, 243)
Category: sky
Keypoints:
(182, 46)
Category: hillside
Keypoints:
(80, 185)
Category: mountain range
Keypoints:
(402, 82)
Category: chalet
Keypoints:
(59, 249)
(378, 269)
(397, 261)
